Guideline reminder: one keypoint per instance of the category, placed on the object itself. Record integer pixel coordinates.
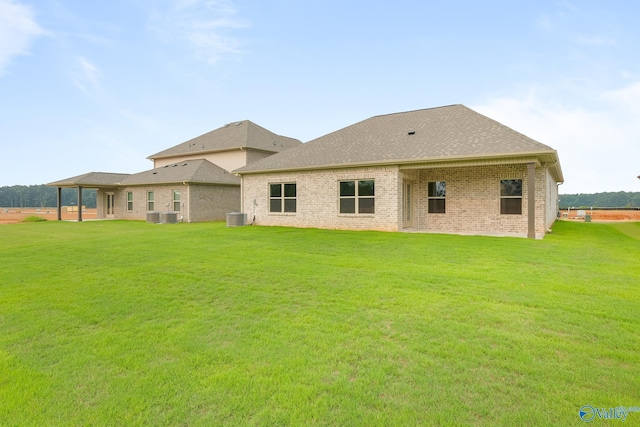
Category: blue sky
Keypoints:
(99, 86)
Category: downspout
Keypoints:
(558, 198)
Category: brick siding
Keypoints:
(472, 200)
(197, 202)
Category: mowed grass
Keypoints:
(129, 323)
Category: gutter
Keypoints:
(401, 162)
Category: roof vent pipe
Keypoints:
(411, 132)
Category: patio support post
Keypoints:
(59, 198)
(531, 199)
(79, 203)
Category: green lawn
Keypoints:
(129, 323)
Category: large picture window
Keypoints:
(176, 200)
(437, 197)
(282, 197)
(150, 201)
(129, 201)
(511, 197)
(357, 197)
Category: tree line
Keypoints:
(620, 199)
(41, 196)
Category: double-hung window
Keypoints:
(511, 197)
(150, 201)
(129, 201)
(357, 197)
(282, 197)
(437, 197)
(175, 196)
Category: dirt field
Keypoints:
(13, 215)
(603, 215)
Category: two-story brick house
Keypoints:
(192, 179)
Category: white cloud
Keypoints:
(627, 98)
(595, 40)
(544, 22)
(597, 142)
(17, 30)
(207, 26)
(142, 121)
(86, 76)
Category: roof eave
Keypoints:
(193, 153)
(542, 156)
(178, 182)
(81, 184)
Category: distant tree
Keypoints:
(40, 196)
(620, 199)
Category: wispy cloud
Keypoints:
(595, 40)
(595, 139)
(206, 26)
(18, 29)
(86, 76)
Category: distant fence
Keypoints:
(594, 208)
(65, 209)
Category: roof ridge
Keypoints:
(231, 136)
(508, 128)
(446, 132)
(419, 109)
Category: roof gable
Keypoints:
(199, 171)
(442, 133)
(91, 179)
(237, 135)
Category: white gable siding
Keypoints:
(228, 160)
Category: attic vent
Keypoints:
(167, 166)
(238, 124)
(227, 125)
(155, 173)
(184, 164)
(411, 132)
(173, 166)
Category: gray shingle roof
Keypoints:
(198, 171)
(91, 180)
(442, 133)
(243, 134)
(191, 171)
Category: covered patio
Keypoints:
(92, 180)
